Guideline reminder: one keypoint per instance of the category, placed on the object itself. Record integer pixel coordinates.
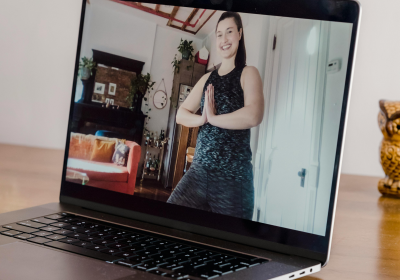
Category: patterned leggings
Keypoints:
(205, 190)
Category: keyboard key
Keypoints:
(125, 254)
(71, 227)
(176, 246)
(110, 251)
(100, 234)
(176, 276)
(146, 266)
(66, 220)
(54, 216)
(223, 269)
(134, 249)
(250, 263)
(169, 266)
(82, 243)
(59, 224)
(31, 224)
(79, 236)
(43, 220)
(42, 233)
(63, 231)
(21, 228)
(82, 251)
(86, 230)
(236, 267)
(50, 228)
(96, 247)
(113, 237)
(39, 240)
(140, 258)
(3, 229)
(69, 240)
(55, 237)
(192, 250)
(163, 243)
(104, 242)
(24, 236)
(118, 245)
(129, 263)
(11, 232)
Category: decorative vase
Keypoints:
(389, 124)
(185, 54)
(85, 73)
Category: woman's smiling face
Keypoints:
(228, 38)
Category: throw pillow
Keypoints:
(121, 153)
(102, 150)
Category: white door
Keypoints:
(283, 191)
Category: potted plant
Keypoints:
(139, 86)
(186, 49)
(86, 67)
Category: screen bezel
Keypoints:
(257, 234)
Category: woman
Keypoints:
(220, 178)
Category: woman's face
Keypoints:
(228, 38)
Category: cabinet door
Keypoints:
(198, 72)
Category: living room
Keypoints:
(122, 34)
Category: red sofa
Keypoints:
(105, 175)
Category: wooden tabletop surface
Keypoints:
(366, 239)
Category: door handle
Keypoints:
(302, 175)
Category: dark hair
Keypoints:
(240, 60)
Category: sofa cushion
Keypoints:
(121, 153)
(99, 171)
(102, 150)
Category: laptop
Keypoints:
(204, 141)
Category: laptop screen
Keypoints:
(205, 111)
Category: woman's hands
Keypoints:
(209, 102)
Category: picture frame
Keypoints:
(112, 88)
(99, 88)
(184, 91)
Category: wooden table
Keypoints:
(366, 240)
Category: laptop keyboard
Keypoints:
(157, 254)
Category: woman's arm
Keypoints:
(186, 114)
(251, 114)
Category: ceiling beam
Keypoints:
(139, 4)
(173, 14)
(157, 7)
(205, 21)
(190, 17)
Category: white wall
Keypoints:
(37, 53)
(38, 42)
(109, 30)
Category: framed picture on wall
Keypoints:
(184, 92)
(99, 88)
(112, 88)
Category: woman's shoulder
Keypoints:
(250, 70)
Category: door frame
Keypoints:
(262, 163)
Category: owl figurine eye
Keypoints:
(389, 124)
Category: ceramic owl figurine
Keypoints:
(389, 123)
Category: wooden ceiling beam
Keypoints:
(205, 22)
(139, 4)
(173, 14)
(190, 17)
(157, 7)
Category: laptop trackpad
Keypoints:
(20, 260)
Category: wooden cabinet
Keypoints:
(180, 136)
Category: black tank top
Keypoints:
(222, 150)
